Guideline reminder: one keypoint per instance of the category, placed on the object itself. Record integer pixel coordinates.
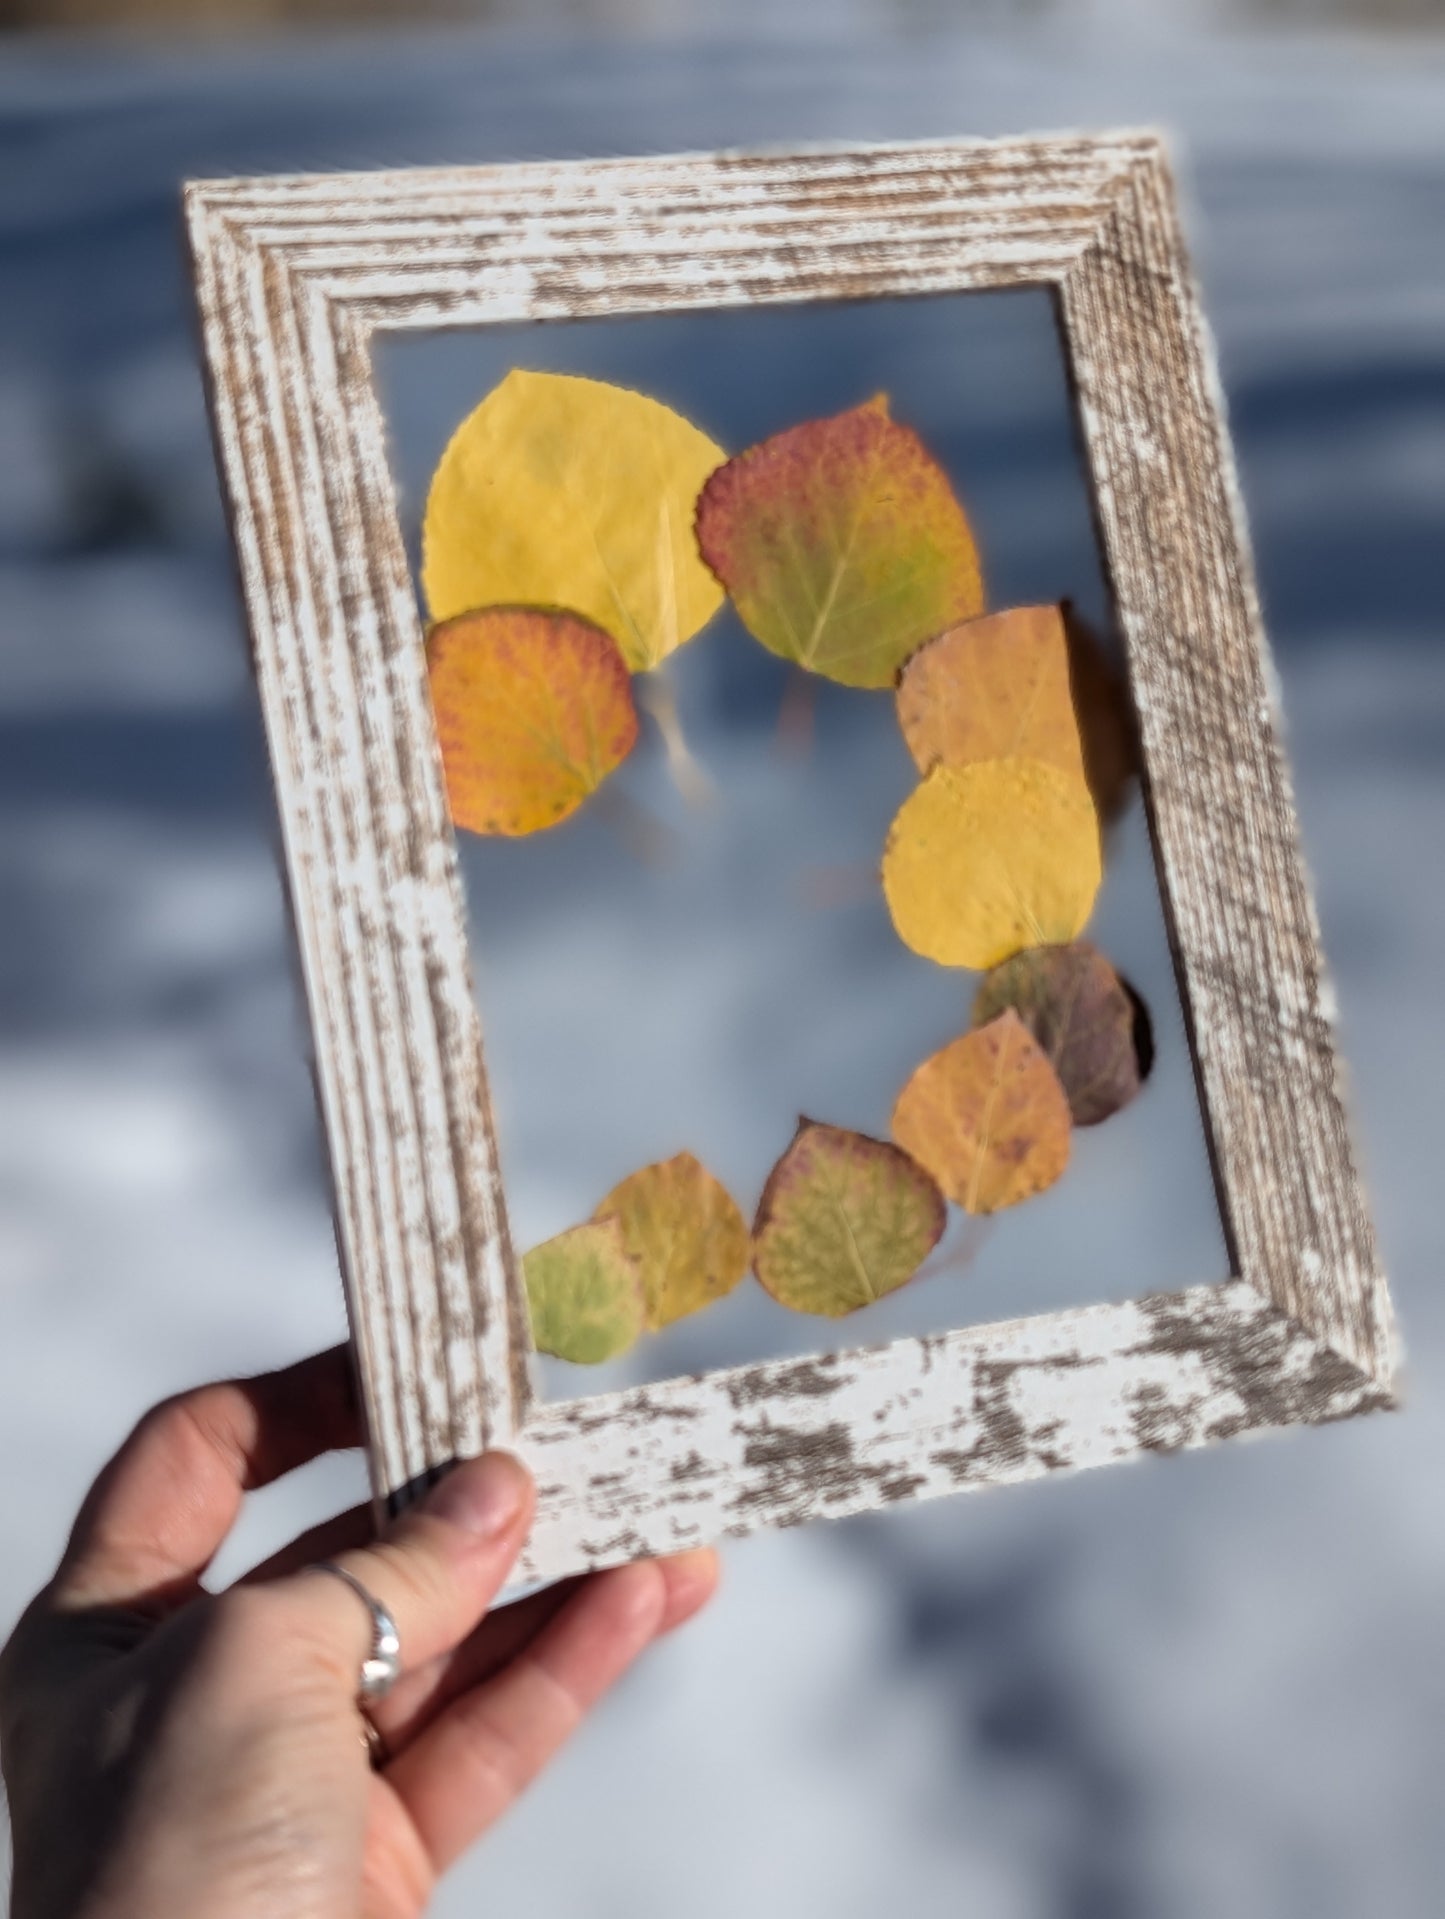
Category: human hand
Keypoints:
(171, 1752)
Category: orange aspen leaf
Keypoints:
(533, 708)
(987, 1117)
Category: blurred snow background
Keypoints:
(1199, 1686)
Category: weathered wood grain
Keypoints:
(1221, 811)
(662, 1468)
(294, 277)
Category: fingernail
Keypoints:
(483, 1496)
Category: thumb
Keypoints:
(436, 1570)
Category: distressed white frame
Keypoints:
(296, 277)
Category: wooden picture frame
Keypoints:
(295, 278)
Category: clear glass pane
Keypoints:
(656, 975)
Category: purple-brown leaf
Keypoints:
(1083, 1017)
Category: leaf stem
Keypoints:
(692, 780)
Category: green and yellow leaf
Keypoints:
(841, 544)
(584, 1294)
(844, 1220)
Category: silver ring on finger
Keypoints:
(381, 1668)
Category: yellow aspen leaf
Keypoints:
(844, 1220)
(987, 1117)
(994, 688)
(841, 544)
(562, 491)
(683, 1231)
(533, 708)
(584, 1294)
(985, 859)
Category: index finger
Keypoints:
(153, 1520)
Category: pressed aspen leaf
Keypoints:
(994, 688)
(1082, 1015)
(561, 491)
(982, 860)
(841, 544)
(584, 1294)
(1033, 682)
(843, 1220)
(987, 1117)
(684, 1233)
(534, 709)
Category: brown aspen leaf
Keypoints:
(994, 688)
(985, 859)
(987, 1117)
(1081, 1013)
(1108, 728)
(683, 1231)
(1034, 683)
(843, 1221)
(562, 491)
(841, 544)
(533, 708)
(584, 1294)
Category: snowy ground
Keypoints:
(1201, 1686)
